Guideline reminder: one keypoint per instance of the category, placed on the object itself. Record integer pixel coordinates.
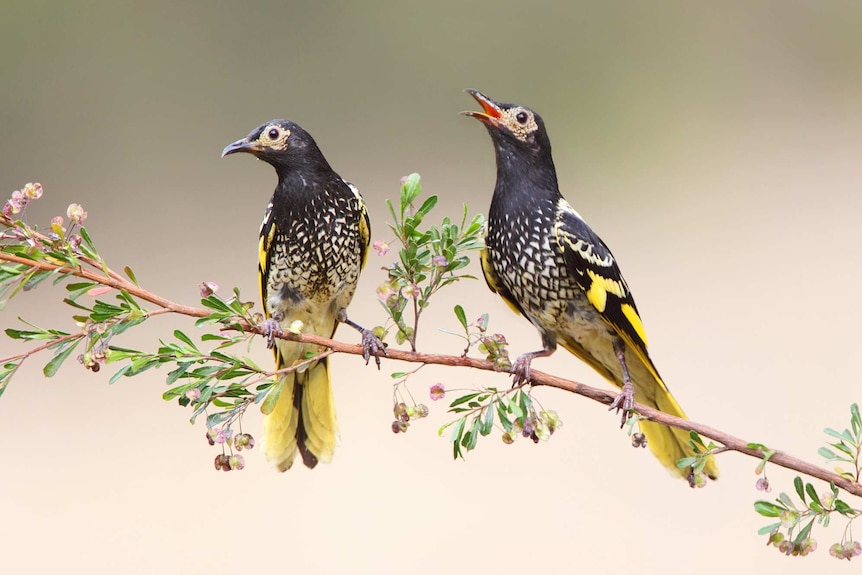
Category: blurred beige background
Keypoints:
(715, 147)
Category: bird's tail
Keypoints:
(670, 444)
(303, 419)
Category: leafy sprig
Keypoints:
(791, 534)
(513, 411)
(428, 260)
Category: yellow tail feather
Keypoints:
(313, 431)
(279, 427)
(318, 412)
(670, 444)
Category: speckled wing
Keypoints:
(268, 232)
(364, 226)
(592, 265)
(494, 283)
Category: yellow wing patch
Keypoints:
(635, 321)
(600, 286)
(263, 261)
(364, 235)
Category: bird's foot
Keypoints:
(272, 330)
(625, 401)
(372, 345)
(520, 369)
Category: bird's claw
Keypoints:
(520, 370)
(625, 401)
(271, 331)
(372, 345)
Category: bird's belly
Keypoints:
(305, 285)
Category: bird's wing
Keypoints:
(495, 284)
(268, 231)
(594, 268)
(364, 226)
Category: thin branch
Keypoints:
(538, 378)
(731, 443)
(114, 280)
(24, 355)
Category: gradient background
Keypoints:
(715, 147)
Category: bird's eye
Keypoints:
(521, 117)
(273, 133)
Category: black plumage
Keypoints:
(313, 244)
(549, 265)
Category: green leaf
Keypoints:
(472, 436)
(131, 274)
(27, 335)
(785, 499)
(855, 419)
(78, 289)
(843, 435)
(827, 453)
(61, 355)
(7, 370)
(455, 438)
(272, 398)
(804, 533)
(515, 408)
(125, 324)
(686, 462)
(809, 489)
(767, 509)
(120, 373)
(410, 190)
(465, 398)
(800, 489)
(462, 317)
(88, 241)
(844, 509)
(768, 529)
(488, 422)
(214, 337)
(845, 449)
(502, 415)
(214, 303)
(186, 340)
(427, 205)
(695, 438)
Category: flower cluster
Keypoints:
(792, 548)
(224, 436)
(847, 550)
(404, 414)
(536, 425)
(494, 348)
(21, 198)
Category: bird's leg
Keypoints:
(520, 369)
(371, 344)
(625, 401)
(272, 329)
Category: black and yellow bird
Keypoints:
(313, 244)
(550, 266)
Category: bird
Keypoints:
(313, 244)
(548, 265)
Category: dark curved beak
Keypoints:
(242, 145)
(491, 110)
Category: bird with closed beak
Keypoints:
(551, 267)
(313, 244)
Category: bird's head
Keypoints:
(281, 143)
(511, 125)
